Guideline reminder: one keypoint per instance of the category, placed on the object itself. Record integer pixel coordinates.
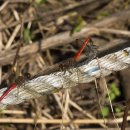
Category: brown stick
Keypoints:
(60, 39)
(123, 126)
(86, 4)
(59, 121)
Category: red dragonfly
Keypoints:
(19, 81)
(78, 54)
(22, 79)
(7, 91)
(90, 52)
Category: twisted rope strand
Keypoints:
(59, 80)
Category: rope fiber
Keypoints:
(56, 81)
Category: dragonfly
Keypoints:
(63, 66)
(90, 52)
(19, 81)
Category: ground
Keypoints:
(37, 34)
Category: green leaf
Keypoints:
(38, 2)
(26, 35)
(115, 89)
(112, 97)
(79, 25)
(117, 110)
(105, 111)
(102, 14)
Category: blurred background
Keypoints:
(45, 31)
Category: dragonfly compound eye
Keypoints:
(27, 75)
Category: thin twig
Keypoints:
(123, 126)
(3, 5)
(63, 38)
(114, 31)
(91, 5)
(100, 103)
(105, 85)
(84, 112)
(59, 121)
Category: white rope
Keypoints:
(51, 83)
